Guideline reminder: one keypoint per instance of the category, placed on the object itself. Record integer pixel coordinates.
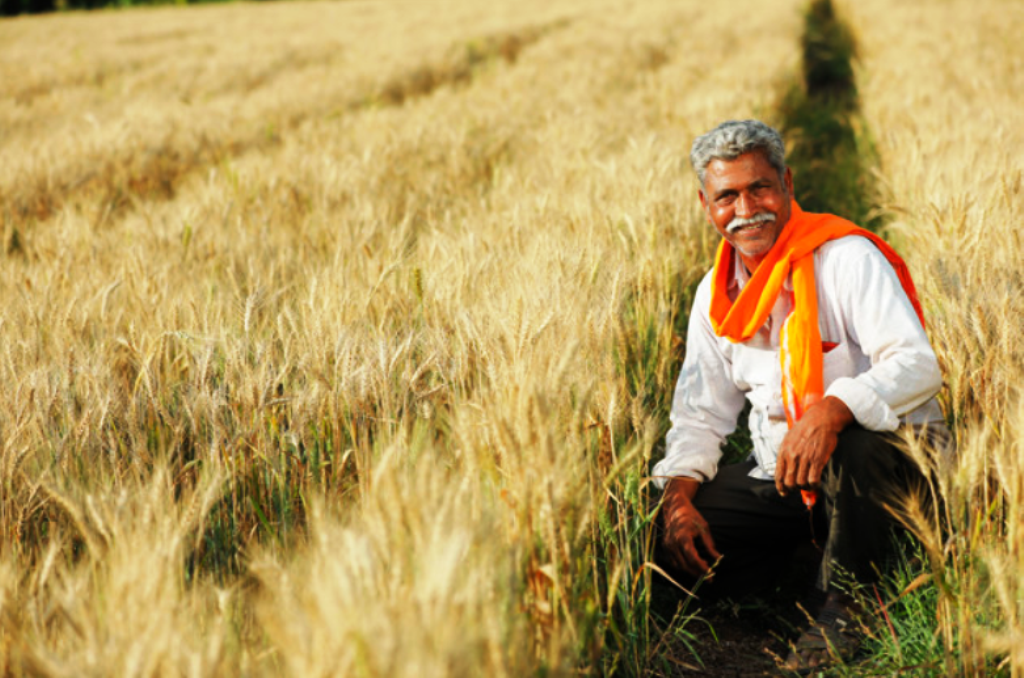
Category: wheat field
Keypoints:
(943, 103)
(337, 336)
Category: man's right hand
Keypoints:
(686, 531)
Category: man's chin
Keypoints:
(753, 249)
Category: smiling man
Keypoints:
(816, 323)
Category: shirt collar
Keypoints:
(740, 276)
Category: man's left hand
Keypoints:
(809, 445)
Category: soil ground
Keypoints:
(744, 637)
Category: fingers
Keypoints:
(796, 473)
(781, 468)
(802, 468)
(693, 563)
(787, 473)
(814, 475)
(789, 479)
(809, 445)
(709, 544)
(686, 555)
(801, 461)
(687, 538)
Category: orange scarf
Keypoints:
(800, 347)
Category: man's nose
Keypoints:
(745, 206)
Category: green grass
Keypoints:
(830, 148)
(905, 639)
(647, 355)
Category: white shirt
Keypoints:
(882, 366)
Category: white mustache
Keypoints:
(740, 222)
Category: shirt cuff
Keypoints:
(867, 407)
(699, 469)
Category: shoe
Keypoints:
(833, 638)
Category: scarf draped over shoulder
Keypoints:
(800, 349)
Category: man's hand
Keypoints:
(686, 531)
(809, 445)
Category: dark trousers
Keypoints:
(756, 530)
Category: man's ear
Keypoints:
(788, 178)
(704, 206)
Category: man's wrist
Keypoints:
(838, 413)
(682, 487)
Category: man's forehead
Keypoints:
(749, 165)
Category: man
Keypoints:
(816, 323)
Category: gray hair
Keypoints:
(732, 139)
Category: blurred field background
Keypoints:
(337, 337)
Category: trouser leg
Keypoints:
(866, 472)
(753, 528)
(756, 530)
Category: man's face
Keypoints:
(747, 203)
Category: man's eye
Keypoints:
(726, 199)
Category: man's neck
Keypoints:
(751, 263)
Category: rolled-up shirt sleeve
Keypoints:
(705, 404)
(904, 372)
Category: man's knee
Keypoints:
(860, 450)
(866, 462)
